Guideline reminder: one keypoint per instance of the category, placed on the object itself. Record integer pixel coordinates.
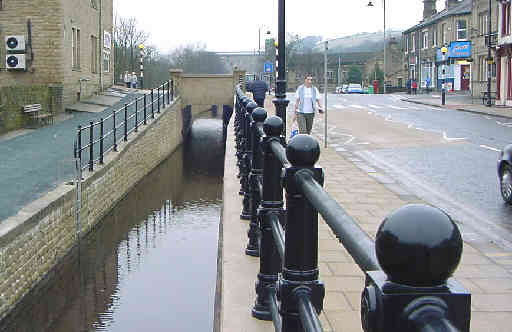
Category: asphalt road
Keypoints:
(445, 157)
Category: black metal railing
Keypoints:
(408, 267)
(96, 139)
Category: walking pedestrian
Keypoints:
(307, 96)
(127, 79)
(427, 84)
(408, 85)
(259, 89)
(134, 80)
(414, 87)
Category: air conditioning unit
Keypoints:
(15, 43)
(15, 61)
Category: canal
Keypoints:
(151, 264)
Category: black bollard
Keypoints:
(258, 116)
(300, 272)
(271, 207)
(418, 248)
(246, 160)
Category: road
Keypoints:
(445, 157)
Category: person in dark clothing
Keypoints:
(259, 89)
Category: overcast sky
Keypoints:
(229, 25)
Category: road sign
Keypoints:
(268, 67)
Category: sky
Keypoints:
(229, 25)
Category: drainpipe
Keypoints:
(101, 44)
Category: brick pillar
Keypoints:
(238, 77)
(177, 78)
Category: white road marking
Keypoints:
(452, 138)
(357, 106)
(338, 106)
(410, 125)
(363, 143)
(506, 124)
(490, 148)
(397, 107)
(374, 106)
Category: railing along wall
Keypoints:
(408, 267)
(95, 140)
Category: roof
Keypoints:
(461, 9)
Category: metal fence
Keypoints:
(408, 272)
(96, 139)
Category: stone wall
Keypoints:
(42, 233)
(48, 33)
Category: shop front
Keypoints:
(458, 66)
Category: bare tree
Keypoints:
(194, 58)
(127, 38)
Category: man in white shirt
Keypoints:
(307, 96)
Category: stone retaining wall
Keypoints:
(42, 233)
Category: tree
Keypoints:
(196, 60)
(127, 38)
(354, 74)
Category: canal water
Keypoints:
(151, 264)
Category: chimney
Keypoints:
(429, 8)
(451, 3)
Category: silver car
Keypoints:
(505, 173)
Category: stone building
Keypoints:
(54, 52)
(395, 72)
(422, 43)
(504, 55)
(479, 35)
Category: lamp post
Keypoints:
(259, 38)
(370, 4)
(444, 50)
(141, 49)
(280, 101)
(489, 58)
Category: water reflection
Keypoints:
(150, 265)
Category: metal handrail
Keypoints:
(164, 91)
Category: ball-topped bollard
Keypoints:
(303, 151)
(418, 245)
(273, 126)
(259, 114)
(251, 106)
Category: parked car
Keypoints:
(339, 89)
(344, 88)
(505, 173)
(354, 88)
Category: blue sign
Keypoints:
(268, 67)
(460, 49)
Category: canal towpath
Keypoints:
(485, 270)
(35, 161)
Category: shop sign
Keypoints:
(460, 49)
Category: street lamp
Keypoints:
(259, 38)
(280, 101)
(444, 50)
(370, 4)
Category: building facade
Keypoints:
(422, 44)
(504, 55)
(64, 45)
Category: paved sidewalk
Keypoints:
(459, 102)
(368, 199)
(35, 161)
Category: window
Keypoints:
(483, 23)
(425, 39)
(106, 61)
(75, 45)
(505, 21)
(1, 4)
(94, 4)
(443, 34)
(94, 54)
(434, 36)
(461, 29)
(413, 46)
(407, 44)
